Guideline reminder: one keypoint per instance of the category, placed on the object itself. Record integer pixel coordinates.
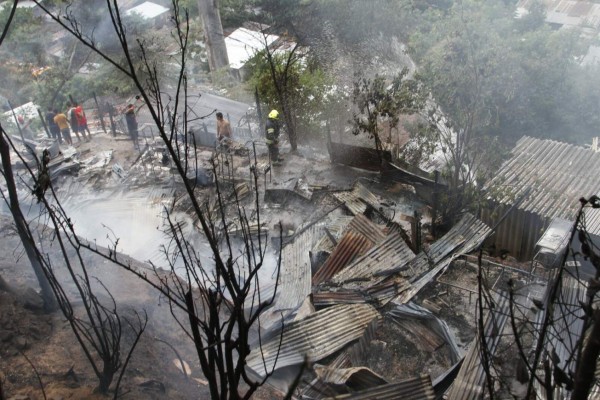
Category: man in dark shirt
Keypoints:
(53, 126)
(132, 125)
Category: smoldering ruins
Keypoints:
(394, 252)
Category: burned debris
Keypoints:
(353, 274)
(358, 311)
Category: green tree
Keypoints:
(294, 84)
(21, 51)
(378, 100)
(492, 80)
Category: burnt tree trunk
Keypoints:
(213, 34)
(21, 225)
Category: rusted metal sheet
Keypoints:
(388, 272)
(384, 292)
(472, 231)
(554, 175)
(379, 294)
(314, 337)
(435, 330)
(325, 298)
(358, 199)
(463, 238)
(470, 382)
(356, 156)
(368, 229)
(409, 291)
(352, 245)
(317, 389)
(419, 388)
(294, 190)
(392, 252)
(334, 229)
(424, 185)
(357, 378)
(359, 351)
(361, 235)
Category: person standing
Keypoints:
(24, 127)
(72, 114)
(223, 130)
(272, 129)
(82, 122)
(52, 126)
(132, 125)
(61, 120)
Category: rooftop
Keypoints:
(148, 10)
(553, 176)
(567, 12)
(242, 44)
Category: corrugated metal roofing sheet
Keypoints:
(358, 378)
(314, 337)
(358, 199)
(368, 229)
(556, 175)
(354, 355)
(336, 226)
(392, 252)
(419, 388)
(387, 271)
(463, 238)
(470, 382)
(324, 298)
(351, 245)
(296, 275)
(361, 235)
(413, 312)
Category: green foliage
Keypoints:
(235, 12)
(191, 6)
(379, 100)
(24, 26)
(495, 78)
(23, 42)
(308, 89)
(500, 75)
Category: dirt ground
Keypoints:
(40, 350)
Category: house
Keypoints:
(541, 182)
(592, 58)
(26, 4)
(150, 11)
(27, 110)
(243, 44)
(566, 13)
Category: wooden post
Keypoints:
(44, 123)
(100, 114)
(434, 210)
(112, 121)
(415, 228)
(258, 109)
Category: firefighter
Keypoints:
(272, 137)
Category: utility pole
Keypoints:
(213, 34)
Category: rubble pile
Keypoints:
(370, 309)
